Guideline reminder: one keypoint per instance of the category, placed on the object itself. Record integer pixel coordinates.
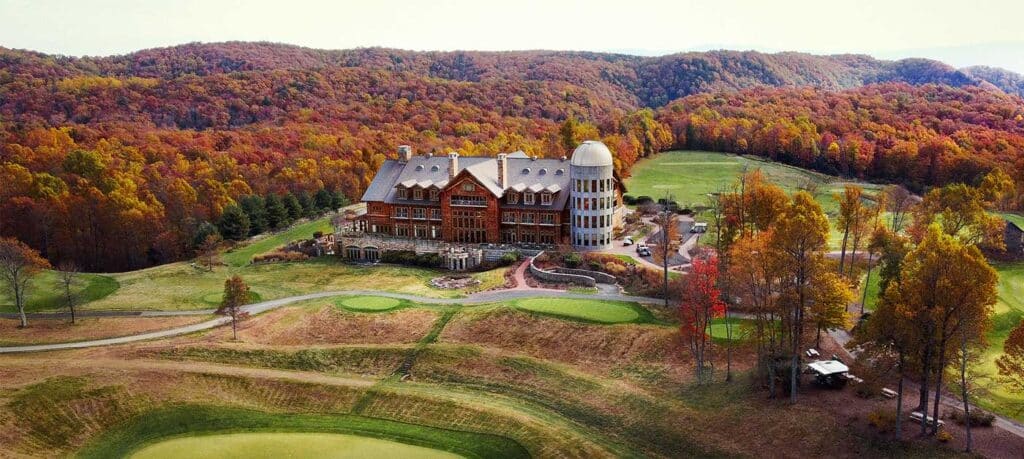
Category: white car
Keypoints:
(627, 241)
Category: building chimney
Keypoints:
(502, 170)
(453, 164)
(404, 153)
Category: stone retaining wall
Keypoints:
(561, 278)
(596, 275)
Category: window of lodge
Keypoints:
(403, 193)
(401, 212)
(528, 218)
(547, 219)
(419, 213)
(417, 194)
(545, 198)
(528, 198)
(468, 226)
(508, 217)
(512, 198)
(435, 214)
(434, 195)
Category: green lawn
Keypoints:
(1009, 311)
(194, 424)
(368, 303)
(691, 175)
(292, 445)
(243, 255)
(719, 329)
(45, 294)
(181, 286)
(605, 312)
(1015, 218)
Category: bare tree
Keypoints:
(18, 264)
(208, 251)
(666, 219)
(898, 202)
(67, 280)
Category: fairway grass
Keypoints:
(291, 445)
(689, 176)
(44, 293)
(719, 329)
(243, 255)
(1009, 311)
(604, 312)
(180, 286)
(194, 424)
(368, 303)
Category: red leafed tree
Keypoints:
(701, 303)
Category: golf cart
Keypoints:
(828, 373)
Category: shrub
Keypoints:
(614, 269)
(944, 436)
(509, 258)
(572, 260)
(410, 258)
(628, 200)
(594, 265)
(279, 256)
(643, 200)
(978, 417)
(882, 419)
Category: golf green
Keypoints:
(369, 303)
(607, 312)
(291, 445)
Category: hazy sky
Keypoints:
(957, 31)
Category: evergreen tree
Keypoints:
(277, 214)
(338, 200)
(308, 204)
(205, 230)
(254, 207)
(323, 200)
(295, 210)
(233, 223)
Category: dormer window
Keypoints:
(403, 193)
(512, 197)
(434, 195)
(528, 198)
(545, 198)
(417, 194)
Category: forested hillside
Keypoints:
(117, 162)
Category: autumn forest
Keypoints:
(119, 162)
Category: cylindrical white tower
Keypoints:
(591, 196)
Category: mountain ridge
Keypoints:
(639, 80)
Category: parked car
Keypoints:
(699, 227)
(643, 250)
(627, 241)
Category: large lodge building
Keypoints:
(458, 206)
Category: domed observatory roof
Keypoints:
(591, 153)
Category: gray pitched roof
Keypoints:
(524, 173)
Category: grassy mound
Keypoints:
(368, 303)
(605, 312)
(192, 420)
(295, 445)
